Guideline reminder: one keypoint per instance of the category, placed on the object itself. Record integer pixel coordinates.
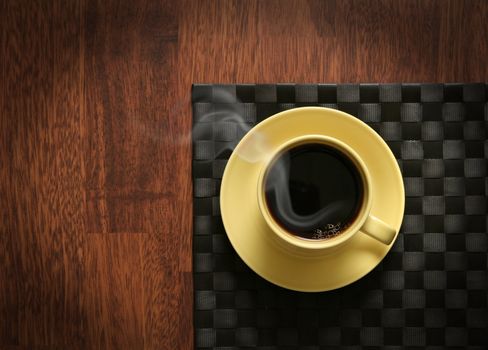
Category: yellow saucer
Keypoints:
(248, 231)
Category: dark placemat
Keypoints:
(430, 290)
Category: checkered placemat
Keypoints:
(430, 291)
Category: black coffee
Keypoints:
(313, 191)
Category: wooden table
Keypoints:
(95, 154)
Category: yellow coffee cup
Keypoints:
(363, 223)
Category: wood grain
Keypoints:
(115, 293)
(95, 125)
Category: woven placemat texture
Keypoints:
(430, 291)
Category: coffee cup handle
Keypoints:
(378, 230)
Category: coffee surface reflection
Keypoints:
(313, 191)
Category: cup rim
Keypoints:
(363, 213)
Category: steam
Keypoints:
(228, 115)
(278, 197)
